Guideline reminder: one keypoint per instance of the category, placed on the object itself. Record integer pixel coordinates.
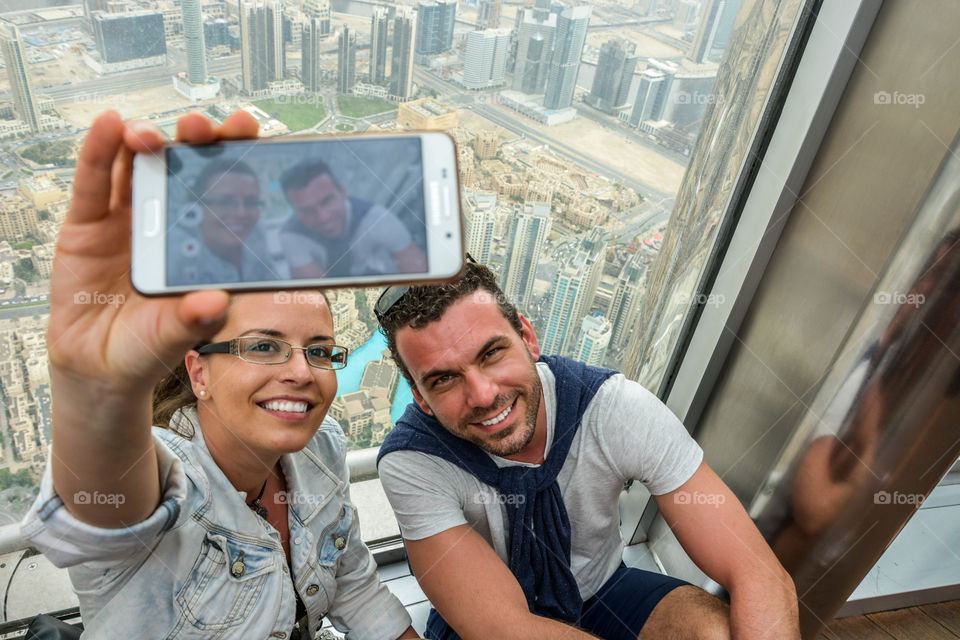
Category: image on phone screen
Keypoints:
(260, 212)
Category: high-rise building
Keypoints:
(725, 26)
(435, 20)
(24, 102)
(536, 29)
(651, 85)
(401, 58)
(531, 225)
(315, 30)
(193, 41)
(611, 83)
(593, 340)
(625, 305)
(129, 40)
(379, 25)
(262, 56)
(707, 27)
(572, 26)
(486, 143)
(346, 61)
(485, 59)
(573, 292)
(488, 14)
(479, 220)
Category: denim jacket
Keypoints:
(204, 565)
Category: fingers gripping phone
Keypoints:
(296, 212)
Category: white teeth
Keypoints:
(496, 419)
(286, 405)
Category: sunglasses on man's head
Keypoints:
(392, 295)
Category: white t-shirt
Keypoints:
(626, 434)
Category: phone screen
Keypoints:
(256, 211)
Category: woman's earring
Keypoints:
(202, 393)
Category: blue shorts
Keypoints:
(623, 604)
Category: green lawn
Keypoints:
(343, 126)
(362, 107)
(297, 112)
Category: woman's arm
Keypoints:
(108, 345)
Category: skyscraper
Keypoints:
(593, 340)
(479, 220)
(346, 61)
(435, 20)
(572, 26)
(262, 56)
(316, 29)
(485, 59)
(401, 59)
(379, 25)
(710, 13)
(488, 14)
(531, 225)
(18, 75)
(611, 83)
(574, 289)
(535, 32)
(651, 85)
(193, 41)
(627, 296)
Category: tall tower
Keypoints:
(262, 56)
(485, 59)
(193, 39)
(379, 24)
(626, 300)
(479, 220)
(572, 26)
(24, 102)
(531, 225)
(316, 29)
(488, 14)
(535, 33)
(710, 14)
(611, 84)
(401, 60)
(435, 20)
(651, 85)
(593, 340)
(346, 61)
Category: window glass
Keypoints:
(599, 146)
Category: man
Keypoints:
(505, 476)
(332, 234)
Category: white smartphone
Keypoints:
(297, 212)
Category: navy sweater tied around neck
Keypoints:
(538, 521)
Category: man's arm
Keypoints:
(722, 540)
(475, 591)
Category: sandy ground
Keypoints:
(647, 47)
(130, 105)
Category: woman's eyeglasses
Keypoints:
(260, 350)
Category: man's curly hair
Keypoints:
(424, 304)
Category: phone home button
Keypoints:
(152, 220)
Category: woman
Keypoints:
(216, 238)
(215, 528)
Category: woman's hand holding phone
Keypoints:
(107, 344)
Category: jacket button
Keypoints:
(312, 590)
(340, 543)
